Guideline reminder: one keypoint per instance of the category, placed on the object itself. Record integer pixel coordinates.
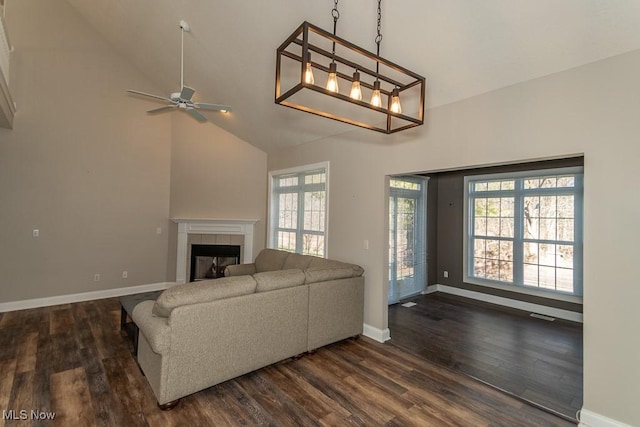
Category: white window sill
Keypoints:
(525, 290)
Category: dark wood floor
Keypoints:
(73, 360)
(537, 360)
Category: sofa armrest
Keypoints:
(336, 311)
(240, 270)
(155, 329)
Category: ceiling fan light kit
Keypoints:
(183, 100)
(375, 85)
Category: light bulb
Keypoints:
(308, 73)
(356, 92)
(332, 80)
(376, 100)
(395, 101)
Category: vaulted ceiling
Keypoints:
(463, 47)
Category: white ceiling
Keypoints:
(463, 47)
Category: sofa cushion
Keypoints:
(270, 260)
(297, 261)
(322, 274)
(279, 279)
(203, 291)
(239, 269)
(329, 263)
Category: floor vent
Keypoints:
(543, 317)
(408, 304)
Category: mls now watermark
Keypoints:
(23, 414)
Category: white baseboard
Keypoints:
(430, 290)
(592, 419)
(84, 296)
(380, 335)
(507, 302)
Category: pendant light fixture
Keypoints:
(367, 74)
(332, 79)
(356, 90)
(308, 74)
(395, 101)
(376, 99)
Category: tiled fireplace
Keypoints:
(202, 232)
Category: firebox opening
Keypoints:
(209, 261)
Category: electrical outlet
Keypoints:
(159, 230)
(446, 274)
(36, 232)
(96, 277)
(125, 274)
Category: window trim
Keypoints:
(272, 214)
(467, 278)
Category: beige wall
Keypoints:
(215, 175)
(592, 110)
(96, 175)
(83, 164)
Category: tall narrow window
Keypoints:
(525, 229)
(407, 237)
(298, 209)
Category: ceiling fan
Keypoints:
(183, 100)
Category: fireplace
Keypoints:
(209, 261)
(193, 231)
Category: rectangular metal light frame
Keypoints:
(300, 37)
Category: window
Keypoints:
(299, 209)
(525, 229)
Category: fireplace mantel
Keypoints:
(188, 226)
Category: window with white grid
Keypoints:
(298, 209)
(525, 229)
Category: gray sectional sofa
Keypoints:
(200, 334)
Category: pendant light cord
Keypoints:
(181, 58)
(336, 15)
(378, 38)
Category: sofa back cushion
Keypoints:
(203, 291)
(297, 261)
(320, 263)
(323, 274)
(279, 279)
(270, 260)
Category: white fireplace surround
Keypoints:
(188, 226)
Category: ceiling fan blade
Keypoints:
(135, 92)
(195, 114)
(187, 93)
(213, 107)
(163, 108)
